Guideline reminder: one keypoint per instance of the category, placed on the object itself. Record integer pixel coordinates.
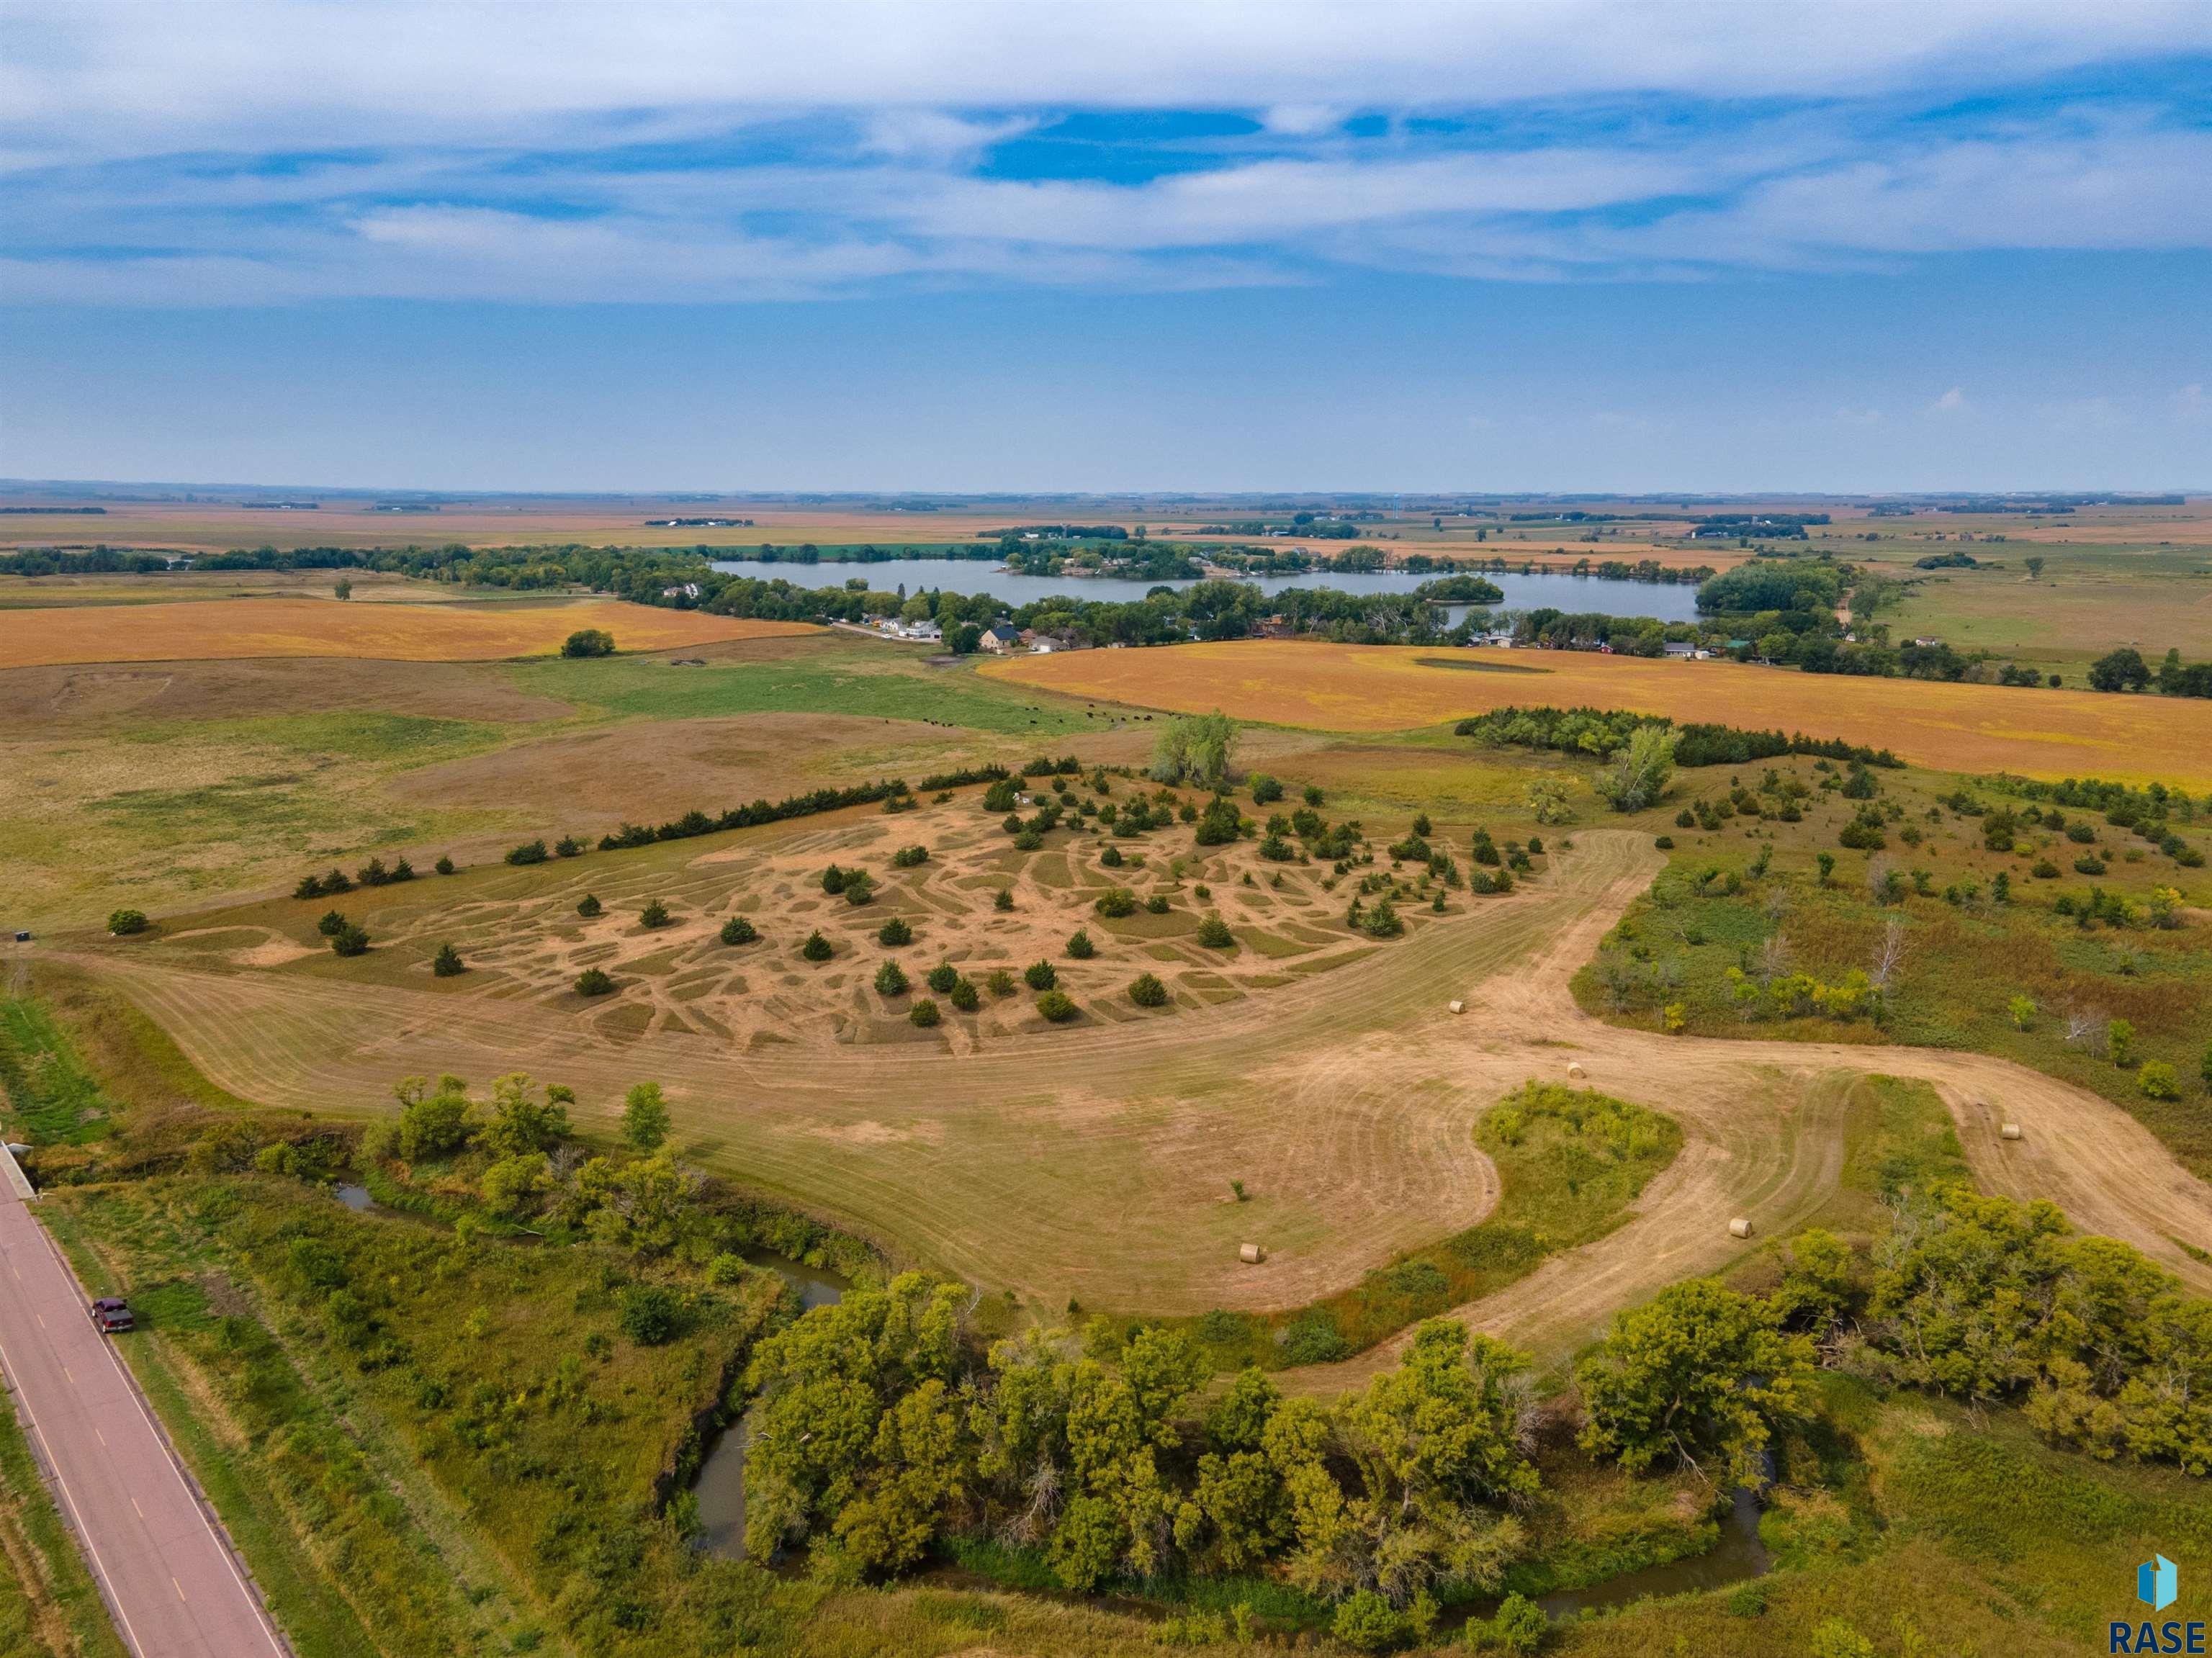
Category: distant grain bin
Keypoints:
(1575, 1070)
(1739, 1228)
(1457, 1005)
(2009, 1131)
(1250, 1253)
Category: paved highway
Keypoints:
(170, 1579)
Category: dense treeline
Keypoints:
(101, 560)
(2124, 805)
(629, 573)
(866, 553)
(1611, 570)
(1999, 1301)
(1135, 561)
(1461, 590)
(1270, 560)
(2124, 670)
(1599, 732)
(1206, 610)
(886, 1431)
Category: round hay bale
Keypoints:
(1456, 1006)
(1250, 1253)
(2009, 1131)
(1739, 1228)
(1575, 1070)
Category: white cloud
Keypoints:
(936, 136)
(647, 151)
(1301, 120)
(139, 75)
(2190, 403)
(1950, 403)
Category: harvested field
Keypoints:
(524, 939)
(591, 779)
(167, 785)
(1094, 1160)
(176, 587)
(1952, 727)
(204, 629)
(73, 699)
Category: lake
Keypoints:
(1675, 602)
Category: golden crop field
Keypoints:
(202, 630)
(1363, 687)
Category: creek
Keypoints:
(720, 1486)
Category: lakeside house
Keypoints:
(1000, 637)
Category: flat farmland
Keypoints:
(20, 593)
(525, 940)
(173, 784)
(1094, 1160)
(209, 526)
(232, 630)
(1358, 687)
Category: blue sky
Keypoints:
(1196, 246)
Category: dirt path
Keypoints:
(1763, 1138)
(1093, 1162)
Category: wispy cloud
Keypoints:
(231, 154)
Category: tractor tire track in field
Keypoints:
(1094, 1162)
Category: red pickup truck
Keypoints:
(111, 1314)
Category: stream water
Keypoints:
(720, 1486)
(1738, 1555)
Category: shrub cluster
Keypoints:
(374, 873)
(1601, 732)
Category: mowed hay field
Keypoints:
(1094, 1160)
(1366, 687)
(525, 938)
(221, 629)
